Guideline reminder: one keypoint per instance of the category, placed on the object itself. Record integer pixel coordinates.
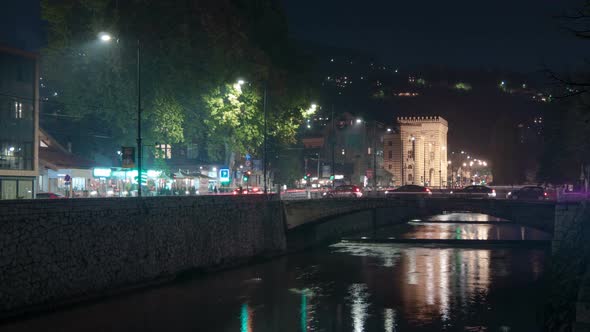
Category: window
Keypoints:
(163, 151)
(343, 153)
(390, 155)
(431, 155)
(410, 178)
(390, 166)
(390, 143)
(18, 110)
(192, 151)
(410, 154)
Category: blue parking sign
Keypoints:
(224, 175)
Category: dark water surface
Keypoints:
(344, 287)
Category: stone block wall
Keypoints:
(568, 283)
(55, 251)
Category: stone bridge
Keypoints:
(539, 215)
(318, 221)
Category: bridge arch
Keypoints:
(315, 221)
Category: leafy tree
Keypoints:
(191, 52)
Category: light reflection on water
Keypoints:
(461, 231)
(345, 287)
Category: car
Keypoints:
(528, 193)
(49, 196)
(475, 191)
(410, 190)
(344, 191)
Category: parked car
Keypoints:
(344, 191)
(474, 192)
(49, 196)
(528, 193)
(410, 190)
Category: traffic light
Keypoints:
(143, 178)
(307, 176)
(331, 177)
(247, 176)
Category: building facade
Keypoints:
(19, 122)
(416, 153)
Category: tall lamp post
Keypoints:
(107, 38)
(442, 149)
(239, 83)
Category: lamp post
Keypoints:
(107, 38)
(239, 83)
(444, 148)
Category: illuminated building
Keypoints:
(19, 123)
(417, 152)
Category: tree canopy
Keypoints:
(192, 54)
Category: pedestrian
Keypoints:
(215, 189)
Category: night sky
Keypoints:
(509, 34)
(518, 35)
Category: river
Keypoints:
(345, 287)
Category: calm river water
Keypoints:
(345, 287)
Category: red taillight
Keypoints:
(545, 194)
(493, 191)
(427, 190)
(357, 189)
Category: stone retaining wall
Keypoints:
(54, 251)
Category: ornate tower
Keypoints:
(417, 152)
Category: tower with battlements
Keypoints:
(417, 152)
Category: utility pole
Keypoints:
(333, 148)
(319, 158)
(139, 145)
(265, 139)
(375, 157)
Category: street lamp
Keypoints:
(107, 38)
(444, 148)
(239, 84)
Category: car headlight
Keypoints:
(386, 192)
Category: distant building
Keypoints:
(19, 123)
(417, 152)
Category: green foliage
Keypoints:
(461, 86)
(191, 53)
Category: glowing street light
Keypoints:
(359, 121)
(105, 37)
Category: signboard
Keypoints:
(101, 172)
(224, 175)
(128, 157)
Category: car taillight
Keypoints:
(427, 190)
(493, 191)
(357, 189)
(545, 194)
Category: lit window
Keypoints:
(343, 153)
(163, 151)
(18, 110)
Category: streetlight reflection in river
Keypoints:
(389, 320)
(360, 305)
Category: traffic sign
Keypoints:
(224, 175)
